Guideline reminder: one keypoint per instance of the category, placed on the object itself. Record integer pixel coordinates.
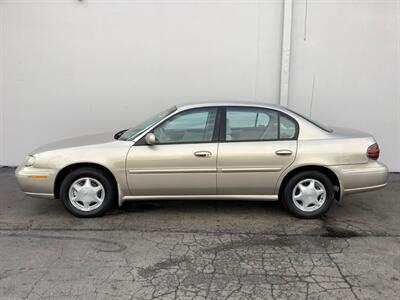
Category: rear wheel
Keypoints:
(308, 194)
(87, 192)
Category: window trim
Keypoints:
(219, 134)
(215, 135)
(222, 136)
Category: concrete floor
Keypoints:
(200, 250)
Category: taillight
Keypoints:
(373, 151)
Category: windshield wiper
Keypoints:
(119, 133)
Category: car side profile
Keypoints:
(208, 151)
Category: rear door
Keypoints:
(257, 145)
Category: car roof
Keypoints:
(232, 103)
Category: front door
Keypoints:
(257, 146)
(182, 162)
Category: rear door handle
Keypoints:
(283, 152)
(202, 153)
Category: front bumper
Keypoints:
(362, 177)
(36, 182)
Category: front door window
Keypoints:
(194, 126)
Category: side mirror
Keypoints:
(150, 139)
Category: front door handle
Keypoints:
(202, 153)
(283, 152)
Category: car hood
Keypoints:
(86, 140)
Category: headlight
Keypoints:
(29, 160)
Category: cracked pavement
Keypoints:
(200, 249)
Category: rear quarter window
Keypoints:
(287, 127)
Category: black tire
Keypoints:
(110, 192)
(289, 204)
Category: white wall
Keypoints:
(349, 52)
(71, 68)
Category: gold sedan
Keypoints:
(208, 151)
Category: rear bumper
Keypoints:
(361, 177)
(36, 182)
(365, 189)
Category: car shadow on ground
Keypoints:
(196, 205)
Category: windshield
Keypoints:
(323, 127)
(131, 133)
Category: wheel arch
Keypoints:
(323, 169)
(69, 168)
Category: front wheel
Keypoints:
(308, 195)
(87, 192)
